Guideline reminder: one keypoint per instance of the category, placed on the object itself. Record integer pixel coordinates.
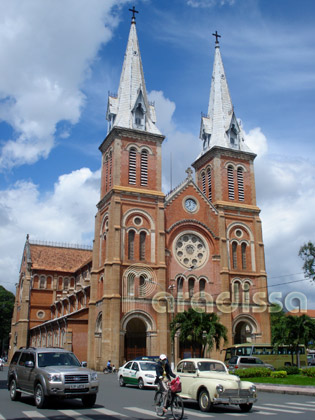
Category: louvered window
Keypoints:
(243, 255)
(142, 245)
(144, 168)
(246, 287)
(106, 172)
(209, 184)
(203, 176)
(230, 174)
(131, 284)
(234, 255)
(191, 286)
(131, 244)
(132, 165)
(110, 168)
(240, 183)
(236, 292)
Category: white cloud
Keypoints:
(257, 141)
(209, 3)
(47, 49)
(65, 215)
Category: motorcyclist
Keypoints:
(109, 367)
(163, 376)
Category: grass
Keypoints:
(289, 380)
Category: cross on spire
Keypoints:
(216, 37)
(133, 10)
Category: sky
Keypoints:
(60, 58)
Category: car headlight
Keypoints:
(252, 389)
(93, 376)
(219, 388)
(54, 377)
(148, 375)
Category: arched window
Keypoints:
(191, 286)
(142, 245)
(234, 254)
(42, 282)
(180, 282)
(66, 283)
(230, 174)
(240, 183)
(243, 248)
(236, 292)
(110, 168)
(209, 184)
(246, 287)
(106, 172)
(132, 166)
(144, 168)
(139, 117)
(142, 286)
(131, 244)
(202, 286)
(131, 284)
(203, 177)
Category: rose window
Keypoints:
(191, 250)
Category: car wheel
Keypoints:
(14, 394)
(140, 383)
(121, 381)
(89, 400)
(246, 407)
(204, 401)
(40, 399)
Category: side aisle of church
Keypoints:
(154, 255)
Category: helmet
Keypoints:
(163, 357)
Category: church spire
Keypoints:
(131, 108)
(220, 126)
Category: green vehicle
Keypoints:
(277, 356)
(138, 372)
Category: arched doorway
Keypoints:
(243, 333)
(135, 339)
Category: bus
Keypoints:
(277, 356)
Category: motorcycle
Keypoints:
(110, 369)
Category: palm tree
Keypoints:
(200, 329)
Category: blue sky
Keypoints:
(58, 61)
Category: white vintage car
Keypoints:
(209, 382)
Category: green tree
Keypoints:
(6, 309)
(307, 253)
(200, 329)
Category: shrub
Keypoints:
(291, 370)
(309, 372)
(252, 372)
(278, 374)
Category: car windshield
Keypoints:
(211, 366)
(57, 359)
(148, 365)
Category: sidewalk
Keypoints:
(286, 389)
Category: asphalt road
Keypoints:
(115, 403)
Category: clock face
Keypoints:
(190, 204)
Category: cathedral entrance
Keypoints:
(135, 339)
(243, 333)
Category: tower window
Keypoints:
(131, 284)
(230, 174)
(202, 286)
(180, 282)
(209, 184)
(240, 184)
(139, 117)
(203, 175)
(234, 255)
(142, 245)
(142, 286)
(144, 168)
(243, 248)
(132, 165)
(131, 244)
(110, 168)
(236, 292)
(191, 286)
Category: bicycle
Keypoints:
(174, 401)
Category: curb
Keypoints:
(286, 389)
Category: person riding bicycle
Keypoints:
(163, 376)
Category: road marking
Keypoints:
(74, 414)
(307, 407)
(142, 410)
(33, 414)
(108, 412)
(236, 414)
(197, 414)
(264, 413)
(278, 409)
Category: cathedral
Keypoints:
(154, 254)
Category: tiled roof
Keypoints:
(58, 258)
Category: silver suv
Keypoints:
(245, 362)
(51, 372)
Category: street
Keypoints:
(115, 403)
